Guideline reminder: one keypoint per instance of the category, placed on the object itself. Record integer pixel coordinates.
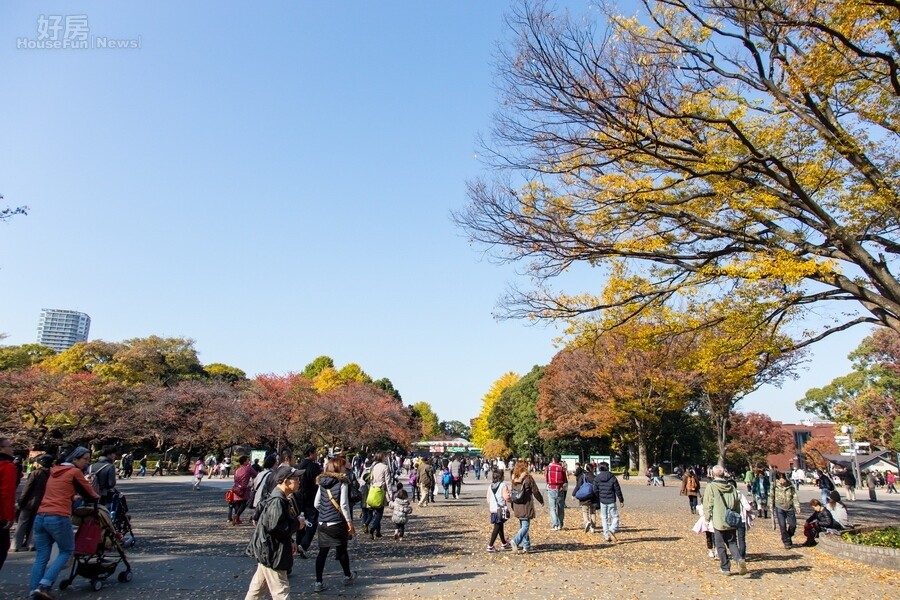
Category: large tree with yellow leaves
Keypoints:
(700, 149)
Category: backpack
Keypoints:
(586, 491)
(517, 494)
(355, 495)
(93, 478)
(446, 479)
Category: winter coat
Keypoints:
(33, 490)
(690, 486)
(64, 482)
(580, 478)
(607, 489)
(337, 484)
(719, 496)
(105, 471)
(242, 489)
(271, 541)
(426, 475)
(9, 481)
(524, 509)
(402, 509)
(784, 497)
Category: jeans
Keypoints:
(727, 537)
(609, 516)
(478, 474)
(742, 540)
(692, 500)
(553, 505)
(375, 523)
(824, 492)
(787, 523)
(522, 538)
(50, 529)
(446, 492)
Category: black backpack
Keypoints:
(353, 486)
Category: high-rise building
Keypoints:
(62, 329)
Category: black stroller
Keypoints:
(118, 511)
(98, 551)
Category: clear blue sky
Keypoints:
(274, 183)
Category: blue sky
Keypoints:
(275, 184)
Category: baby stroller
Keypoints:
(98, 551)
(118, 511)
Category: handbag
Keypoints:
(375, 498)
(229, 496)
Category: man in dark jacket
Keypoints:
(306, 498)
(105, 472)
(30, 500)
(272, 541)
(606, 491)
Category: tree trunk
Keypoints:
(721, 440)
(632, 457)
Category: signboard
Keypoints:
(570, 460)
(456, 449)
(260, 454)
(436, 449)
(599, 458)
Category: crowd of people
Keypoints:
(293, 501)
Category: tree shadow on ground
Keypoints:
(650, 539)
(758, 573)
(773, 557)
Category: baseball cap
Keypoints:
(285, 472)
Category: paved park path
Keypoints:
(186, 551)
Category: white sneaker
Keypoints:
(712, 554)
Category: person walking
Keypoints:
(606, 491)
(53, 524)
(555, 476)
(785, 506)
(29, 501)
(524, 491)
(720, 502)
(143, 466)
(402, 508)
(872, 484)
(498, 500)
(305, 499)
(584, 493)
(891, 480)
(426, 482)
(850, 483)
(199, 471)
(690, 487)
(760, 489)
(332, 502)
(9, 481)
(375, 499)
(105, 472)
(272, 541)
(825, 484)
(241, 490)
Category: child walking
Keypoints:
(402, 508)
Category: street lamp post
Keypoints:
(848, 430)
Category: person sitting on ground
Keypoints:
(838, 509)
(820, 520)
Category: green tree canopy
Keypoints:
(513, 418)
(24, 356)
(318, 365)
